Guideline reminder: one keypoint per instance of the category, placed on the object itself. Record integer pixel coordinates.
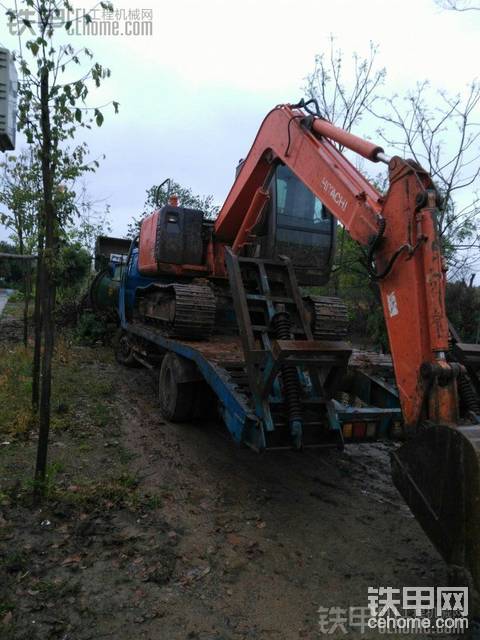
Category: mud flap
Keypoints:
(437, 473)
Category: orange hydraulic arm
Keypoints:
(398, 230)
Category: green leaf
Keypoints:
(115, 106)
(98, 118)
(88, 18)
(78, 115)
(34, 48)
(68, 25)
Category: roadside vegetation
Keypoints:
(88, 480)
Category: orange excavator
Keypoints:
(217, 306)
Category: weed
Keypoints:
(15, 562)
(117, 491)
(48, 486)
(4, 499)
(91, 329)
(48, 588)
(128, 481)
(101, 415)
(14, 308)
(17, 296)
(16, 417)
(125, 456)
(152, 502)
(5, 607)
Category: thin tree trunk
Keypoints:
(27, 274)
(48, 288)
(24, 268)
(37, 319)
(26, 302)
(46, 387)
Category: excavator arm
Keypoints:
(398, 230)
(437, 470)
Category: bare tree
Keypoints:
(442, 133)
(93, 219)
(345, 92)
(457, 5)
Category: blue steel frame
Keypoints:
(243, 424)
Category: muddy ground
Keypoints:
(170, 532)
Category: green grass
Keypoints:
(16, 417)
(14, 562)
(118, 490)
(84, 432)
(50, 484)
(81, 397)
(14, 307)
(5, 607)
(152, 501)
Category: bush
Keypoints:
(74, 266)
(11, 271)
(17, 296)
(463, 309)
(91, 329)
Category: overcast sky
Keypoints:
(193, 94)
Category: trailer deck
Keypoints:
(221, 363)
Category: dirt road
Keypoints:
(170, 532)
(269, 539)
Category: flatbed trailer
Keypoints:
(346, 395)
(220, 363)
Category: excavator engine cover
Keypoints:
(171, 235)
(179, 236)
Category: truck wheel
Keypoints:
(205, 406)
(124, 351)
(176, 398)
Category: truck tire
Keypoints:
(176, 396)
(124, 350)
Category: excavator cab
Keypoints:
(297, 225)
(301, 227)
